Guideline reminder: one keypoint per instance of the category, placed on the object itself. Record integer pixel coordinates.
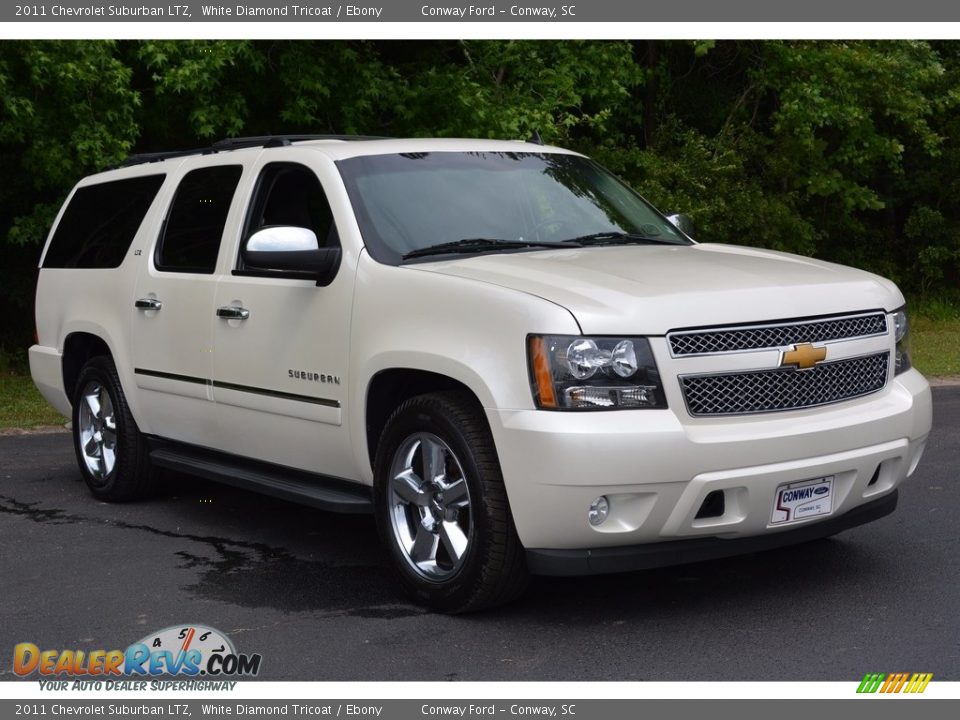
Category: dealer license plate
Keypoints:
(801, 500)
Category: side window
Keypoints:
(194, 227)
(291, 194)
(100, 223)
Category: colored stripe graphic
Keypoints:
(894, 682)
(918, 683)
(870, 683)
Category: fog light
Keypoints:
(599, 509)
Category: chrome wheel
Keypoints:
(97, 430)
(429, 506)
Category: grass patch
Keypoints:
(21, 405)
(935, 345)
(935, 335)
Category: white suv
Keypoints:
(498, 348)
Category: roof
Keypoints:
(341, 146)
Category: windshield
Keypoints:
(414, 201)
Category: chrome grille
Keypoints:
(784, 389)
(758, 337)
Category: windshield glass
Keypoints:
(413, 201)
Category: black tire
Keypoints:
(492, 570)
(131, 476)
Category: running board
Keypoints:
(305, 488)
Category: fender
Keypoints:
(475, 333)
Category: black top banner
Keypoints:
(499, 11)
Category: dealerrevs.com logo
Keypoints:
(188, 651)
(894, 683)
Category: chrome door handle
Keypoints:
(232, 312)
(148, 304)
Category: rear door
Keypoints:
(280, 371)
(173, 310)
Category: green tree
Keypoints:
(845, 150)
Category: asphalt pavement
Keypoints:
(311, 592)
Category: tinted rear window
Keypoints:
(100, 223)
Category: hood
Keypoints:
(651, 289)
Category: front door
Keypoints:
(281, 342)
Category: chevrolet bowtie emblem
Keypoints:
(803, 356)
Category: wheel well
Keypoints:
(389, 388)
(78, 348)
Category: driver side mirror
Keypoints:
(683, 223)
(292, 249)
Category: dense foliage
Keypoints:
(845, 150)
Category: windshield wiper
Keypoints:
(475, 245)
(615, 237)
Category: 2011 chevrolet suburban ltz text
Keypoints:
(507, 355)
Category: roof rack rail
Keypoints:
(150, 157)
(237, 143)
(280, 140)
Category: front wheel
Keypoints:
(442, 508)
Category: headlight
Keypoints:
(568, 372)
(901, 331)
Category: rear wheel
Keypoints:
(442, 509)
(111, 451)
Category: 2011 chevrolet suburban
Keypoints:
(498, 348)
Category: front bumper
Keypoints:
(657, 467)
(680, 552)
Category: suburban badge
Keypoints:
(314, 376)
